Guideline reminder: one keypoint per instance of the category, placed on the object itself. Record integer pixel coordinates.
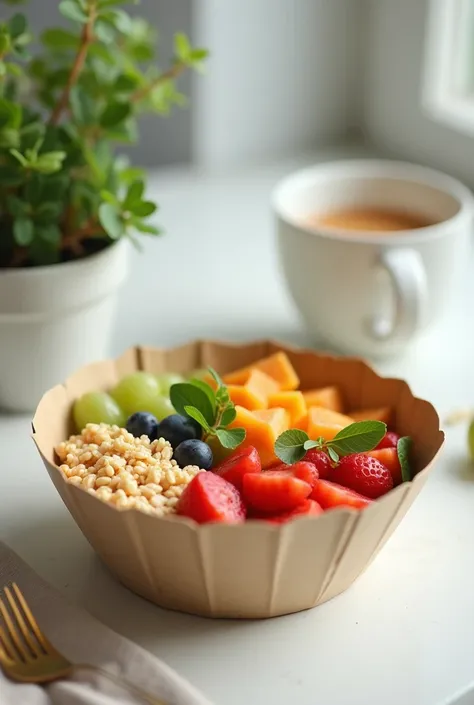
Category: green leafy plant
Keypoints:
(64, 112)
(212, 409)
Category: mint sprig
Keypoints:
(358, 437)
(213, 409)
(403, 451)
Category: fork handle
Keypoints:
(126, 685)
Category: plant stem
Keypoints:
(173, 72)
(87, 231)
(87, 39)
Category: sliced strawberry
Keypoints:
(307, 508)
(363, 474)
(390, 440)
(210, 498)
(274, 491)
(389, 458)
(241, 462)
(302, 470)
(320, 459)
(330, 495)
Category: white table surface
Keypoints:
(404, 633)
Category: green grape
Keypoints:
(166, 380)
(201, 374)
(160, 407)
(135, 392)
(97, 407)
(470, 440)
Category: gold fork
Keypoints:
(26, 655)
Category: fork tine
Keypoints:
(34, 647)
(44, 643)
(7, 647)
(5, 660)
(13, 633)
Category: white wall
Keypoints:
(392, 112)
(281, 78)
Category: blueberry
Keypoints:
(142, 424)
(177, 428)
(194, 452)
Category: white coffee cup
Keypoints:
(371, 292)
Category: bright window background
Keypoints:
(449, 69)
(291, 77)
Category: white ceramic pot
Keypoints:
(55, 319)
(372, 292)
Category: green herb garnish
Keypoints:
(403, 451)
(212, 409)
(359, 437)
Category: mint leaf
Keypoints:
(203, 386)
(216, 377)
(289, 446)
(403, 451)
(228, 415)
(186, 394)
(197, 416)
(358, 437)
(313, 444)
(222, 396)
(230, 437)
(333, 455)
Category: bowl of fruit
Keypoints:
(242, 481)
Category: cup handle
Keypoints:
(408, 279)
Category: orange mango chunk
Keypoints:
(242, 396)
(326, 423)
(301, 423)
(277, 366)
(328, 397)
(293, 402)
(255, 392)
(382, 414)
(277, 418)
(262, 429)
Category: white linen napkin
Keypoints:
(82, 639)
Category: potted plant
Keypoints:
(68, 201)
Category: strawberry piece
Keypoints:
(390, 440)
(307, 508)
(302, 470)
(389, 458)
(241, 462)
(364, 474)
(274, 491)
(330, 495)
(321, 460)
(210, 498)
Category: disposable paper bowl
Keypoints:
(254, 570)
